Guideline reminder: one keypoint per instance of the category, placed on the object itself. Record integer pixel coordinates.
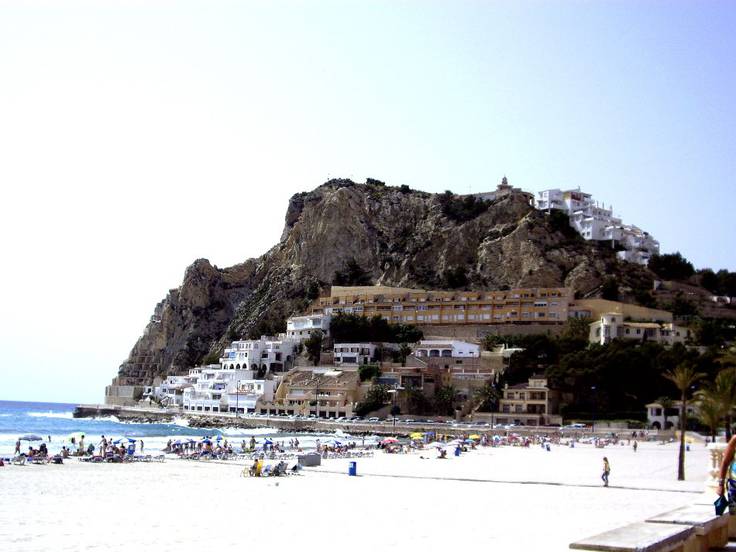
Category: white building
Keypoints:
(265, 355)
(502, 190)
(209, 392)
(447, 348)
(354, 353)
(300, 327)
(171, 390)
(247, 394)
(594, 221)
(658, 419)
(613, 326)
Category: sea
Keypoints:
(54, 424)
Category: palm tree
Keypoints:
(724, 391)
(667, 405)
(486, 398)
(710, 410)
(683, 376)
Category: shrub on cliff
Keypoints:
(461, 209)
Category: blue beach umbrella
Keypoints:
(219, 437)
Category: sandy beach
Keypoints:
(511, 497)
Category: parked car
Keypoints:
(374, 420)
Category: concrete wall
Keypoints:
(123, 395)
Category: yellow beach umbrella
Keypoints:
(474, 436)
(416, 435)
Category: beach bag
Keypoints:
(721, 504)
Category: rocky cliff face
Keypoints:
(400, 237)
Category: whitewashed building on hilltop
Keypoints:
(263, 356)
(446, 348)
(594, 221)
(614, 326)
(299, 328)
(354, 353)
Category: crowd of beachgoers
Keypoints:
(217, 447)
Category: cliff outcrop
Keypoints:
(398, 236)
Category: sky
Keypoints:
(138, 136)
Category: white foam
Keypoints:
(51, 414)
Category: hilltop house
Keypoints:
(614, 326)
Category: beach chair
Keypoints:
(267, 471)
(19, 460)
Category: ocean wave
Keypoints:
(241, 431)
(180, 421)
(51, 414)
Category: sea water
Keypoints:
(55, 424)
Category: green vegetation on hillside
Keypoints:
(352, 328)
(462, 209)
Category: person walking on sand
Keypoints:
(17, 447)
(606, 471)
(635, 445)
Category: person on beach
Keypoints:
(141, 441)
(17, 447)
(636, 445)
(606, 471)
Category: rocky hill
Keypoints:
(397, 236)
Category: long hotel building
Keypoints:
(422, 307)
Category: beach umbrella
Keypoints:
(219, 437)
(267, 441)
(30, 437)
(417, 435)
(437, 445)
(389, 440)
(474, 436)
(206, 441)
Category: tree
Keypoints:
(667, 405)
(375, 398)
(491, 341)
(444, 400)
(369, 372)
(609, 289)
(577, 328)
(313, 346)
(486, 398)
(352, 274)
(456, 277)
(709, 280)
(683, 376)
(710, 411)
(723, 391)
(404, 351)
(671, 266)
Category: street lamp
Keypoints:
(394, 393)
(595, 408)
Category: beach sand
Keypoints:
(513, 498)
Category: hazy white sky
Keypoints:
(136, 137)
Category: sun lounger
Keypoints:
(19, 460)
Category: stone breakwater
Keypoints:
(161, 416)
